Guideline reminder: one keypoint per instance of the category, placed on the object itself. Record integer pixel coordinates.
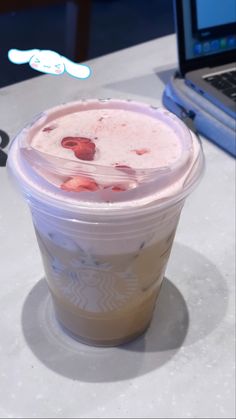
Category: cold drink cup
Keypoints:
(106, 181)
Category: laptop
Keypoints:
(206, 37)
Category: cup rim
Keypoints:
(37, 196)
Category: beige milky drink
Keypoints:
(106, 181)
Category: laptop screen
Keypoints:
(205, 28)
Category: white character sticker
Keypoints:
(49, 62)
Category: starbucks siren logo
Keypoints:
(93, 287)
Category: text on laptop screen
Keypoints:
(209, 27)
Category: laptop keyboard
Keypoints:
(225, 82)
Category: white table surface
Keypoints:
(183, 366)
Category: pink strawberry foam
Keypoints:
(120, 136)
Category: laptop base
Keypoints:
(200, 114)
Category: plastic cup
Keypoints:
(105, 253)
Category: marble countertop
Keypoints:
(183, 367)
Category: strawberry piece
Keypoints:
(49, 128)
(115, 188)
(79, 184)
(141, 151)
(124, 168)
(73, 142)
(84, 148)
(118, 189)
(85, 151)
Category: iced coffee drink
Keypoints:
(106, 181)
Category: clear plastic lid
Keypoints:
(48, 171)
